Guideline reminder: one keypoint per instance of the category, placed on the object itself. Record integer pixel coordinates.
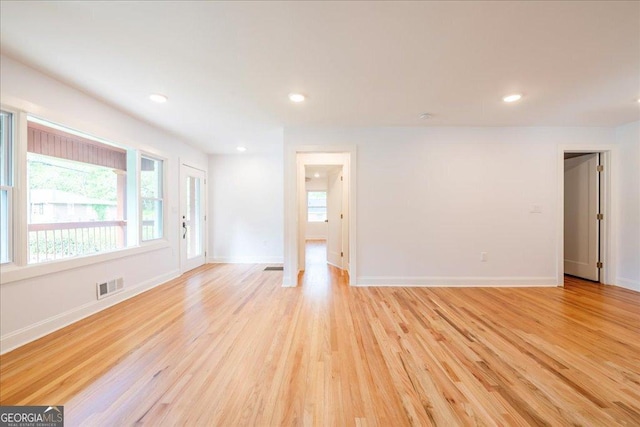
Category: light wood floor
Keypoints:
(226, 345)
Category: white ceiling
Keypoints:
(227, 67)
(322, 170)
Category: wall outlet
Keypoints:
(483, 256)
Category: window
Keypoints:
(6, 187)
(316, 206)
(151, 198)
(76, 194)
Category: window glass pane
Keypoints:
(151, 178)
(5, 253)
(6, 176)
(151, 194)
(6, 182)
(76, 197)
(193, 220)
(66, 191)
(316, 206)
(151, 219)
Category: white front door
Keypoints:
(192, 218)
(334, 218)
(581, 208)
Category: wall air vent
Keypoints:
(110, 287)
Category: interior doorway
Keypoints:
(586, 214)
(324, 212)
(340, 227)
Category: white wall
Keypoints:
(316, 230)
(429, 200)
(628, 139)
(35, 306)
(245, 201)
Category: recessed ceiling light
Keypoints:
(297, 97)
(425, 116)
(241, 149)
(512, 98)
(157, 97)
(316, 175)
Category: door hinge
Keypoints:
(600, 217)
(600, 168)
(341, 179)
(599, 264)
(341, 216)
(341, 254)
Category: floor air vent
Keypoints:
(274, 269)
(111, 287)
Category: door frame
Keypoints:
(293, 182)
(204, 204)
(608, 206)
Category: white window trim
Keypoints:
(11, 272)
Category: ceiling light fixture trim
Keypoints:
(159, 98)
(297, 97)
(513, 97)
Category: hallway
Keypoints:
(318, 274)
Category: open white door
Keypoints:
(192, 218)
(334, 218)
(581, 208)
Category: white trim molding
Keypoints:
(450, 281)
(12, 273)
(246, 260)
(37, 330)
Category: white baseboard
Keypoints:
(336, 266)
(455, 281)
(623, 282)
(246, 260)
(30, 333)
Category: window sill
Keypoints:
(12, 273)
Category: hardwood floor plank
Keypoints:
(227, 345)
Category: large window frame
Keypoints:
(7, 178)
(159, 198)
(19, 268)
(71, 173)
